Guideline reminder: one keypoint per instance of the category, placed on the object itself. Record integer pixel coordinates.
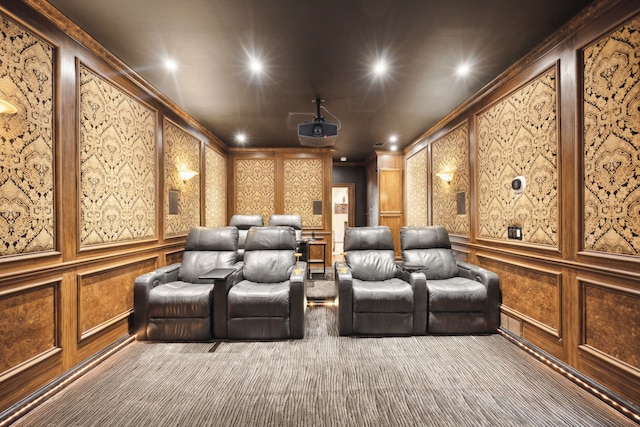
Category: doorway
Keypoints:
(342, 215)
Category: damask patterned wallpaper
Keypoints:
(451, 153)
(215, 188)
(26, 142)
(612, 142)
(417, 207)
(117, 164)
(518, 136)
(255, 184)
(303, 183)
(181, 151)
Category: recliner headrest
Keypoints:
(270, 238)
(294, 221)
(245, 222)
(424, 238)
(212, 239)
(365, 238)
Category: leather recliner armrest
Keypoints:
(141, 287)
(344, 283)
(418, 282)
(492, 282)
(220, 292)
(298, 299)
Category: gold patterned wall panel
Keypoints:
(303, 183)
(215, 188)
(518, 136)
(28, 324)
(117, 164)
(611, 142)
(417, 195)
(26, 142)
(451, 154)
(181, 151)
(255, 184)
(611, 321)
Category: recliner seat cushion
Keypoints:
(180, 299)
(457, 294)
(389, 296)
(249, 299)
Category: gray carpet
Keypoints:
(325, 380)
(321, 286)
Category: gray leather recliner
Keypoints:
(244, 223)
(375, 297)
(269, 300)
(172, 303)
(462, 298)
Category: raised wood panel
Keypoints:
(29, 325)
(105, 296)
(530, 292)
(610, 321)
(390, 189)
(173, 257)
(394, 222)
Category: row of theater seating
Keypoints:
(213, 295)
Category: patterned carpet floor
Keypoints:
(325, 380)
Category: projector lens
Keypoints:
(317, 130)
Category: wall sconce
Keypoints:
(446, 176)
(186, 174)
(7, 108)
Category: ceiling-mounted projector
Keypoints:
(318, 133)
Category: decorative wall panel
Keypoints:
(117, 164)
(215, 188)
(532, 292)
(303, 183)
(181, 151)
(451, 154)
(518, 136)
(611, 142)
(417, 207)
(26, 142)
(611, 321)
(28, 324)
(255, 184)
(107, 295)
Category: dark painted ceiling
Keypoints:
(319, 48)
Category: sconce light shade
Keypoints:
(7, 108)
(187, 174)
(445, 176)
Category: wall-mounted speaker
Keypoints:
(461, 203)
(173, 202)
(317, 207)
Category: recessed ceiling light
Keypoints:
(241, 137)
(256, 66)
(394, 147)
(463, 69)
(170, 64)
(343, 159)
(380, 67)
(393, 138)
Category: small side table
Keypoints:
(312, 261)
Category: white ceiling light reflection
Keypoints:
(463, 69)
